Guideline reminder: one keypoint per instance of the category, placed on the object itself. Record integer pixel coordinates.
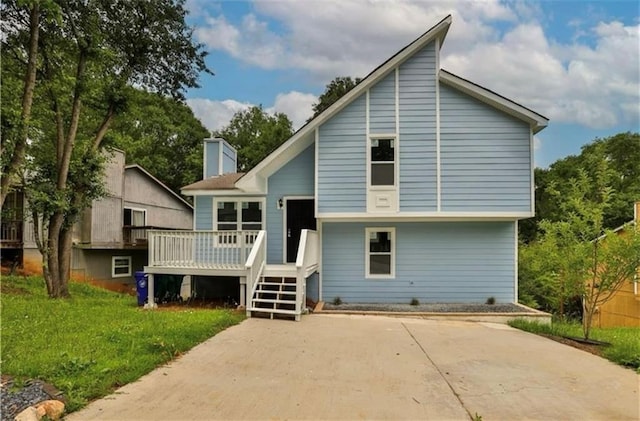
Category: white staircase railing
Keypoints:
(306, 264)
(255, 265)
(200, 249)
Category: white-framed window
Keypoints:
(245, 214)
(380, 252)
(383, 162)
(135, 217)
(120, 266)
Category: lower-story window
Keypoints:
(120, 266)
(380, 253)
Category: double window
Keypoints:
(238, 215)
(383, 162)
(120, 266)
(380, 252)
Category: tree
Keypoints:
(14, 147)
(162, 135)
(614, 260)
(89, 59)
(621, 151)
(335, 90)
(572, 258)
(255, 134)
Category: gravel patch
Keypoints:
(14, 399)
(430, 308)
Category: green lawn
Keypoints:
(625, 341)
(96, 341)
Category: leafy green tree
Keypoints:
(162, 135)
(621, 152)
(333, 92)
(255, 134)
(89, 58)
(578, 255)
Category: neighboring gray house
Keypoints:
(110, 240)
(410, 186)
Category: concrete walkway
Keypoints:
(368, 367)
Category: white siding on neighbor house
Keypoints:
(435, 262)
(382, 106)
(293, 179)
(212, 158)
(203, 212)
(485, 156)
(342, 160)
(417, 143)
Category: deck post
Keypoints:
(151, 303)
(243, 295)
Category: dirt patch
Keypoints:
(12, 290)
(595, 349)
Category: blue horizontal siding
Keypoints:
(435, 262)
(228, 159)
(342, 160)
(417, 125)
(485, 156)
(203, 208)
(293, 179)
(213, 158)
(382, 105)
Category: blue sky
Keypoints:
(576, 62)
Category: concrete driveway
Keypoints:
(368, 367)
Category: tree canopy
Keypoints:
(620, 152)
(90, 54)
(162, 135)
(255, 134)
(333, 92)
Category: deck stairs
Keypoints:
(276, 293)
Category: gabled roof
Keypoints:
(304, 136)
(160, 183)
(537, 121)
(255, 180)
(220, 182)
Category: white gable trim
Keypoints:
(535, 120)
(255, 180)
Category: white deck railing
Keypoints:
(256, 263)
(200, 249)
(306, 263)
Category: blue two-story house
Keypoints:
(410, 186)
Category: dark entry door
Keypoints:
(300, 215)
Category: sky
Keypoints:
(575, 62)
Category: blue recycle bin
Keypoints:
(142, 287)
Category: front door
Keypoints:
(300, 215)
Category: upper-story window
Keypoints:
(383, 162)
(135, 217)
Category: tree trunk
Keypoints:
(55, 227)
(17, 157)
(64, 260)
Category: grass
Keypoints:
(95, 341)
(625, 341)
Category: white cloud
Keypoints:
(593, 80)
(215, 114)
(296, 105)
